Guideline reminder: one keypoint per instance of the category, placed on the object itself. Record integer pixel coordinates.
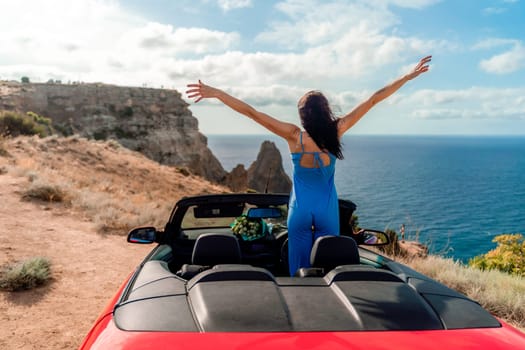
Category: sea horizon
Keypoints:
(454, 193)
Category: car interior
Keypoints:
(215, 281)
(204, 235)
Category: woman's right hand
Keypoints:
(421, 67)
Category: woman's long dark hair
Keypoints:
(319, 122)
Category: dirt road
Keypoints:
(87, 269)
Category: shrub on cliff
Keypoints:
(25, 275)
(15, 124)
(42, 121)
(508, 256)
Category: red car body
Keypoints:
(105, 335)
(493, 334)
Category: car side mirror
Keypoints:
(142, 235)
(371, 237)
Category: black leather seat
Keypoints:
(211, 249)
(327, 253)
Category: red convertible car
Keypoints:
(217, 279)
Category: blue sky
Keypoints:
(270, 52)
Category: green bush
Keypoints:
(508, 256)
(100, 135)
(46, 123)
(26, 274)
(14, 124)
(393, 248)
(354, 223)
(126, 112)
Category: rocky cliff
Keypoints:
(155, 122)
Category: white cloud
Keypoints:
(507, 62)
(347, 49)
(227, 5)
(95, 40)
(472, 103)
(415, 4)
(494, 10)
(244, 69)
(314, 67)
(346, 39)
(59, 37)
(500, 8)
(269, 95)
(315, 22)
(158, 36)
(490, 43)
(312, 22)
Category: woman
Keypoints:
(313, 207)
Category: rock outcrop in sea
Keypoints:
(265, 174)
(154, 122)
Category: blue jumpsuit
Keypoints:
(313, 207)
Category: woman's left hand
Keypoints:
(199, 91)
(421, 67)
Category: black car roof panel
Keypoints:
(241, 298)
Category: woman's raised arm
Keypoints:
(358, 112)
(199, 91)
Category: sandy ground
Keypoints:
(87, 269)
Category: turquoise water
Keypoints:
(453, 193)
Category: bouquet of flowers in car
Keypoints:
(249, 228)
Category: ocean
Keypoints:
(452, 193)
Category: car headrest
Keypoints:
(216, 248)
(329, 252)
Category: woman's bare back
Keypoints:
(308, 148)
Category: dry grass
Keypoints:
(45, 192)
(116, 188)
(500, 293)
(26, 274)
